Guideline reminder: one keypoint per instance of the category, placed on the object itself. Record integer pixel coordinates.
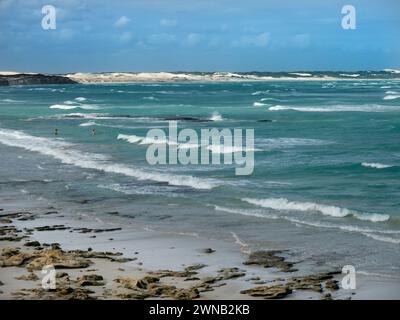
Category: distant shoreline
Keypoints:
(14, 78)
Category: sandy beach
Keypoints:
(97, 259)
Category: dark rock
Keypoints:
(32, 79)
(264, 120)
(269, 292)
(207, 250)
(28, 277)
(270, 259)
(90, 280)
(32, 244)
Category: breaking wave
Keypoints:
(66, 153)
(376, 234)
(376, 165)
(259, 104)
(333, 211)
(216, 117)
(69, 106)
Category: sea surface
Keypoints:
(326, 182)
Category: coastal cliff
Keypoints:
(32, 79)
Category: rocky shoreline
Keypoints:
(33, 79)
(90, 274)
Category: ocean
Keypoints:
(326, 181)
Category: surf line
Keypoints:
(185, 147)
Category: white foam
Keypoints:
(222, 149)
(338, 108)
(129, 138)
(392, 71)
(63, 106)
(69, 106)
(80, 99)
(375, 165)
(300, 74)
(66, 153)
(259, 104)
(391, 97)
(382, 238)
(353, 75)
(260, 92)
(328, 210)
(372, 233)
(88, 124)
(216, 117)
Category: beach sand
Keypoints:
(135, 262)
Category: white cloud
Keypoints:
(259, 40)
(122, 22)
(168, 23)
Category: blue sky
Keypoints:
(199, 35)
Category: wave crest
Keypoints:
(328, 210)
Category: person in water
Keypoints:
(56, 132)
(93, 132)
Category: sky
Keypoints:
(198, 35)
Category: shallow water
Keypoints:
(326, 182)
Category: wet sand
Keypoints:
(97, 259)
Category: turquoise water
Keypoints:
(326, 183)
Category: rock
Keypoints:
(61, 293)
(169, 273)
(327, 296)
(58, 259)
(32, 79)
(29, 277)
(130, 283)
(113, 213)
(195, 267)
(230, 273)
(88, 230)
(12, 257)
(207, 250)
(60, 275)
(192, 279)
(11, 233)
(90, 280)
(186, 118)
(51, 228)
(332, 285)
(32, 244)
(269, 259)
(269, 292)
(307, 283)
(264, 120)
